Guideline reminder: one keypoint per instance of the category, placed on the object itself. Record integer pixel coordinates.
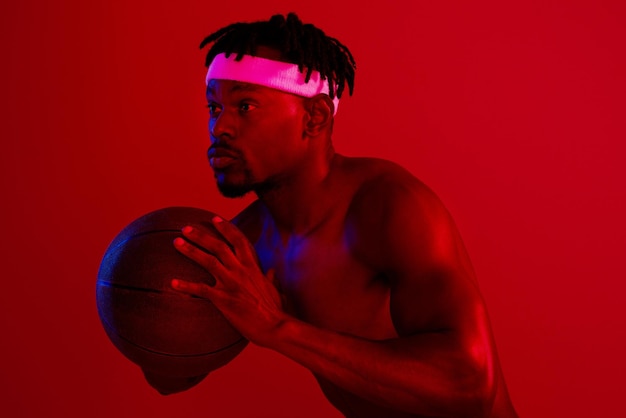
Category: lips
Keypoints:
(220, 163)
(220, 158)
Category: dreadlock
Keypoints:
(301, 44)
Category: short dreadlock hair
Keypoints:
(301, 44)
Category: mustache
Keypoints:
(222, 148)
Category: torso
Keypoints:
(327, 283)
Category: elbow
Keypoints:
(464, 391)
(475, 395)
(165, 390)
(475, 403)
(166, 385)
(476, 382)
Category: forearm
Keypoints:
(422, 374)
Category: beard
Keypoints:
(233, 188)
(234, 181)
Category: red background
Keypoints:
(512, 112)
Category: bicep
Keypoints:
(400, 229)
(435, 303)
(435, 299)
(432, 283)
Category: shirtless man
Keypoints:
(363, 277)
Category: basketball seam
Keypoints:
(121, 286)
(111, 329)
(144, 289)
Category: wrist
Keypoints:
(278, 332)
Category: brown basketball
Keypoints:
(161, 330)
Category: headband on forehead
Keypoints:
(278, 75)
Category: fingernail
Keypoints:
(217, 219)
(175, 283)
(179, 241)
(187, 229)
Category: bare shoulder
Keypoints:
(391, 184)
(392, 210)
(400, 229)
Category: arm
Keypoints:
(441, 362)
(424, 374)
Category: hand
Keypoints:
(245, 296)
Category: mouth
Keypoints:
(220, 158)
(220, 163)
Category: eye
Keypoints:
(246, 107)
(214, 109)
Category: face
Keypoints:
(256, 135)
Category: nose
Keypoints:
(221, 127)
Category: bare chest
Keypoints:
(325, 285)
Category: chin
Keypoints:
(233, 190)
(230, 185)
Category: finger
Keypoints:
(206, 239)
(233, 235)
(204, 259)
(192, 288)
(271, 275)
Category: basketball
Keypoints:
(156, 327)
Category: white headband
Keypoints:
(278, 75)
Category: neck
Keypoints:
(298, 203)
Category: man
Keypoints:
(349, 266)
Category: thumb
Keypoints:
(271, 276)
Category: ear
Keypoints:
(319, 114)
